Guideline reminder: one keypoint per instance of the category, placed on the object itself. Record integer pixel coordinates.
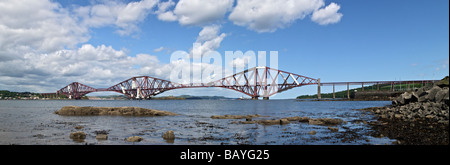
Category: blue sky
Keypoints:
(347, 41)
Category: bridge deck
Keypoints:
(254, 82)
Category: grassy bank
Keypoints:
(383, 87)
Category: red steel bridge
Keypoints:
(254, 82)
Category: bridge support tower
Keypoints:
(318, 89)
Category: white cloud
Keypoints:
(39, 39)
(124, 16)
(163, 12)
(27, 26)
(195, 12)
(208, 40)
(100, 66)
(240, 62)
(270, 15)
(327, 15)
(43, 45)
(159, 49)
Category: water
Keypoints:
(33, 122)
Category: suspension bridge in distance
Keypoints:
(255, 82)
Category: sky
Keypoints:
(45, 45)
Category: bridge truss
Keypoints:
(254, 82)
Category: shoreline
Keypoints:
(419, 132)
(415, 118)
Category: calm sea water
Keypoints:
(33, 122)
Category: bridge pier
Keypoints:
(265, 98)
(348, 91)
(334, 95)
(318, 89)
(254, 97)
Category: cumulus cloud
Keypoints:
(94, 65)
(124, 16)
(240, 62)
(208, 40)
(194, 12)
(327, 15)
(27, 26)
(163, 12)
(159, 49)
(270, 15)
(42, 45)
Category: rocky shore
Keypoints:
(123, 111)
(282, 121)
(419, 117)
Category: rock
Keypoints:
(406, 98)
(78, 127)
(169, 135)
(423, 98)
(421, 92)
(134, 139)
(325, 121)
(312, 132)
(315, 122)
(432, 93)
(234, 116)
(431, 117)
(273, 122)
(297, 118)
(125, 111)
(377, 111)
(441, 95)
(101, 137)
(79, 135)
(284, 121)
(444, 82)
(227, 117)
(398, 116)
(333, 129)
(248, 122)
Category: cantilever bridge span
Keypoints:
(254, 82)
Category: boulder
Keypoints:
(420, 92)
(169, 135)
(446, 99)
(432, 93)
(101, 137)
(444, 82)
(78, 127)
(134, 139)
(406, 98)
(125, 111)
(441, 95)
(79, 135)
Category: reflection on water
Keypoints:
(33, 122)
